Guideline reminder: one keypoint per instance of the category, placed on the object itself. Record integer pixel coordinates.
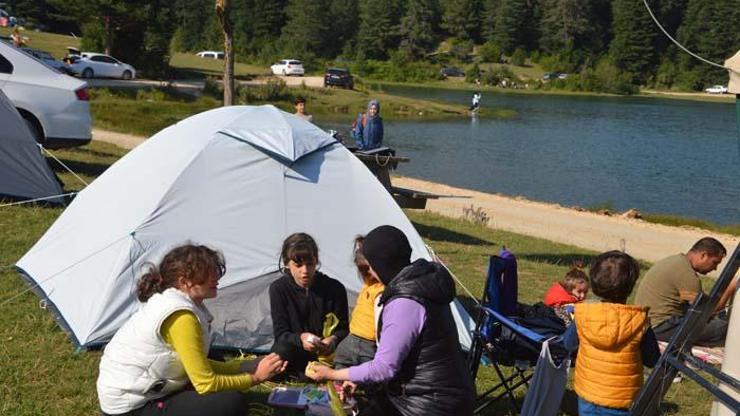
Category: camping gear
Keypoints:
(731, 364)
(238, 179)
(502, 341)
(24, 174)
(548, 385)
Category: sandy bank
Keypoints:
(553, 222)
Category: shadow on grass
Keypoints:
(435, 233)
(85, 168)
(567, 260)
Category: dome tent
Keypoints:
(238, 179)
(24, 174)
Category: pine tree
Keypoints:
(632, 49)
(509, 25)
(307, 28)
(418, 28)
(378, 35)
(462, 18)
(345, 20)
(710, 30)
(572, 24)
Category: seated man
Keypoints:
(672, 284)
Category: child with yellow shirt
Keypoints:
(359, 346)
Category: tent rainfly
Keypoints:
(24, 174)
(238, 179)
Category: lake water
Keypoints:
(656, 155)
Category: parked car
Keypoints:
(211, 54)
(339, 77)
(56, 107)
(288, 67)
(6, 20)
(548, 76)
(98, 65)
(46, 58)
(451, 71)
(716, 89)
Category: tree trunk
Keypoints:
(223, 16)
(108, 34)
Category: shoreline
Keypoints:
(644, 240)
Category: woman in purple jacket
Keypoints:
(419, 356)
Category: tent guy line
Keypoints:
(45, 198)
(63, 165)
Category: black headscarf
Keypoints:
(388, 251)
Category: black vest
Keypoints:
(433, 379)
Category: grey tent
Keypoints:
(237, 178)
(24, 174)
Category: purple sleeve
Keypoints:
(403, 320)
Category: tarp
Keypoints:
(733, 65)
(238, 179)
(24, 174)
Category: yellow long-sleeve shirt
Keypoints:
(182, 331)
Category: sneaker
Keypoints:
(678, 378)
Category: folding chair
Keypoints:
(499, 339)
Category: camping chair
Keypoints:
(499, 339)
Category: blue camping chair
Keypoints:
(498, 339)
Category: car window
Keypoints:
(97, 59)
(108, 59)
(295, 62)
(5, 66)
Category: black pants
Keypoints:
(297, 358)
(712, 334)
(190, 403)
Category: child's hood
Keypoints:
(610, 325)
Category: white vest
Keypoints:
(137, 365)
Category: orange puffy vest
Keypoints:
(609, 363)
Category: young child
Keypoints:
(359, 346)
(613, 340)
(571, 290)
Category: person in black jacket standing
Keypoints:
(300, 301)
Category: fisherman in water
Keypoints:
(475, 103)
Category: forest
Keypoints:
(604, 45)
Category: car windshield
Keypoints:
(295, 63)
(335, 71)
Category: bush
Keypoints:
(399, 71)
(489, 52)
(472, 74)
(495, 76)
(274, 89)
(461, 49)
(519, 57)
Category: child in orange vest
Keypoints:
(359, 346)
(614, 340)
(571, 290)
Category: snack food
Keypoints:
(310, 368)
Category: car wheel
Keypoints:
(34, 127)
(126, 75)
(87, 73)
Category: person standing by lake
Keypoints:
(154, 358)
(367, 130)
(300, 109)
(475, 102)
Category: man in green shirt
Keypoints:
(672, 284)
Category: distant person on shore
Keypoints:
(19, 40)
(367, 130)
(300, 109)
(475, 102)
(564, 294)
(613, 340)
(672, 284)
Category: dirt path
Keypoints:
(552, 222)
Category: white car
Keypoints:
(56, 107)
(98, 65)
(211, 54)
(288, 67)
(716, 89)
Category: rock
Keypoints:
(631, 213)
(604, 212)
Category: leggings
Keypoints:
(190, 403)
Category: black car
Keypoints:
(338, 77)
(451, 71)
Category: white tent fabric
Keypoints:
(238, 179)
(23, 172)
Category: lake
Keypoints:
(655, 155)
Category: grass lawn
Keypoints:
(189, 62)
(51, 42)
(42, 374)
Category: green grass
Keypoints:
(190, 63)
(43, 375)
(50, 42)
